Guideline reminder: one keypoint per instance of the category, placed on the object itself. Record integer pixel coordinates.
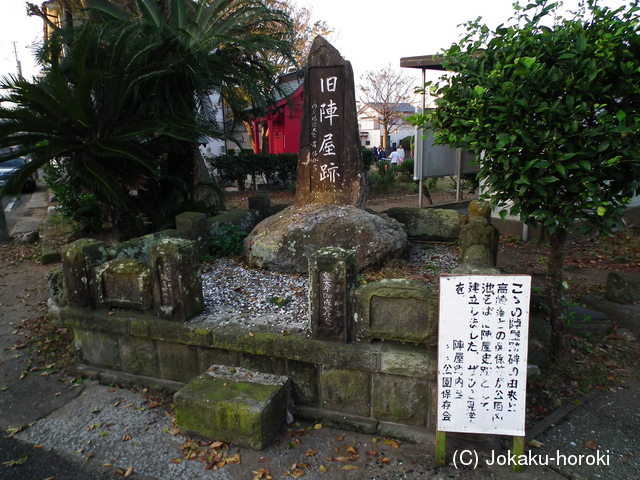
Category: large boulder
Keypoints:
(284, 242)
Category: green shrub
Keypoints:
(367, 158)
(227, 241)
(82, 208)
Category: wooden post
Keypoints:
(441, 444)
(518, 450)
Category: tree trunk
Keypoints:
(559, 326)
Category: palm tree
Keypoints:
(121, 105)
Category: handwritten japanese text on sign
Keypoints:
(482, 353)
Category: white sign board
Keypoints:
(482, 353)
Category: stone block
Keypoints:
(346, 391)
(627, 316)
(140, 247)
(339, 420)
(194, 225)
(587, 320)
(401, 399)
(332, 276)
(622, 288)
(216, 356)
(244, 220)
(305, 378)
(123, 283)
(233, 405)
(97, 349)
(479, 243)
(78, 258)
(178, 362)
(409, 360)
(262, 363)
(429, 223)
(139, 356)
(177, 286)
(400, 310)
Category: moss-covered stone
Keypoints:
(479, 243)
(123, 283)
(409, 360)
(77, 260)
(305, 378)
(177, 285)
(401, 310)
(346, 391)
(216, 356)
(244, 220)
(401, 399)
(244, 413)
(140, 356)
(178, 362)
(97, 349)
(622, 288)
(429, 223)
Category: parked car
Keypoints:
(8, 168)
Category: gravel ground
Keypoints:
(235, 294)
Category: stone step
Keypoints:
(233, 405)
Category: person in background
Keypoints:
(383, 155)
(376, 156)
(394, 157)
(400, 154)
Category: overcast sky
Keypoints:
(369, 33)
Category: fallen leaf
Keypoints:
(372, 452)
(535, 444)
(393, 443)
(317, 426)
(340, 438)
(349, 467)
(128, 473)
(21, 461)
(126, 437)
(591, 445)
(310, 453)
(322, 468)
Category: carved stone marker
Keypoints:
(331, 190)
(332, 276)
(330, 162)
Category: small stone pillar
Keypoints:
(195, 226)
(78, 258)
(479, 243)
(332, 280)
(176, 281)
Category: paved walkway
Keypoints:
(71, 430)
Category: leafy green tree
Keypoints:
(551, 105)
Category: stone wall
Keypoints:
(369, 364)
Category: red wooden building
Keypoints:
(282, 119)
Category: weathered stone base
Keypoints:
(286, 241)
(233, 405)
(364, 387)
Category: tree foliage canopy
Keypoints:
(552, 110)
(551, 106)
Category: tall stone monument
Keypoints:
(330, 160)
(331, 190)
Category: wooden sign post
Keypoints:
(482, 357)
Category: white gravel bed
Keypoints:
(246, 297)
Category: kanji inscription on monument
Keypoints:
(330, 167)
(482, 353)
